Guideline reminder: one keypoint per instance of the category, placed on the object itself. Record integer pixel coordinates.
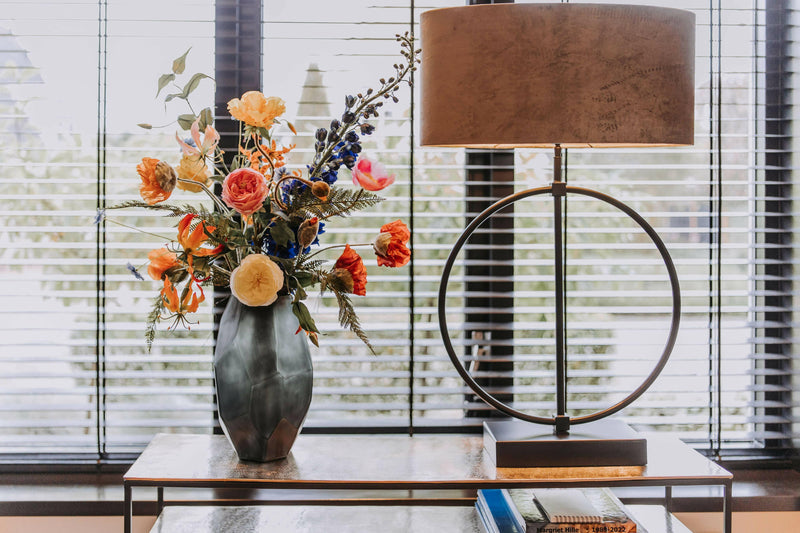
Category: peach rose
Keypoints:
(256, 281)
(371, 176)
(255, 109)
(245, 191)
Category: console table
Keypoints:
(396, 462)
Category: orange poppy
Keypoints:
(158, 180)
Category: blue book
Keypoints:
(497, 512)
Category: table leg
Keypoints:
(128, 511)
(668, 497)
(727, 506)
(160, 492)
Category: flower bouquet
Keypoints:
(261, 238)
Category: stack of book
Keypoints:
(554, 511)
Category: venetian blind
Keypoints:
(78, 379)
(76, 79)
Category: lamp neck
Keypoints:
(557, 164)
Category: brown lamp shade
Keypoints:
(578, 75)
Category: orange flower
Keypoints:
(192, 168)
(192, 239)
(161, 260)
(261, 163)
(390, 246)
(190, 301)
(158, 180)
(255, 109)
(350, 268)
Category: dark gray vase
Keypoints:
(263, 378)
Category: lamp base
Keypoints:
(515, 443)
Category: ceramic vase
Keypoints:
(263, 378)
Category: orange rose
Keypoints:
(255, 109)
(245, 191)
(158, 180)
(161, 260)
(390, 246)
(350, 269)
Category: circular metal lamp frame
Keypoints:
(497, 206)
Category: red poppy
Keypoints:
(390, 246)
(351, 262)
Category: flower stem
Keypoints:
(210, 194)
(331, 247)
(136, 229)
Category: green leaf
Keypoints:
(300, 294)
(145, 126)
(304, 317)
(192, 84)
(163, 81)
(172, 97)
(206, 118)
(185, 121)
(304, 279)
(281, 233)
(179, 65)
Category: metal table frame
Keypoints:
(380, 462)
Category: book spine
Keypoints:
(610, 527)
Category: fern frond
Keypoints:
(152, 320)
(174, 210)
(340, 203)
(309, 264)
(349, 319)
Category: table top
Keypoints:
(356, 519)
(397, 462)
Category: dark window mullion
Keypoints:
(778, 191)
(237, 69)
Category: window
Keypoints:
(78, 382)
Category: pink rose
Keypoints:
(371, 176)
(245, 190)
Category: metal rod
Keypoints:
(561, 370)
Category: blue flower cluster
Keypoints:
(344, 139)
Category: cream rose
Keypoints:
(256, 281)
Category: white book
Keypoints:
(567, 505)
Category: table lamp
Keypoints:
(558, 76)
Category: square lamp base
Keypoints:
(516, 443)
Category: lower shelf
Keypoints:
(356, 518)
